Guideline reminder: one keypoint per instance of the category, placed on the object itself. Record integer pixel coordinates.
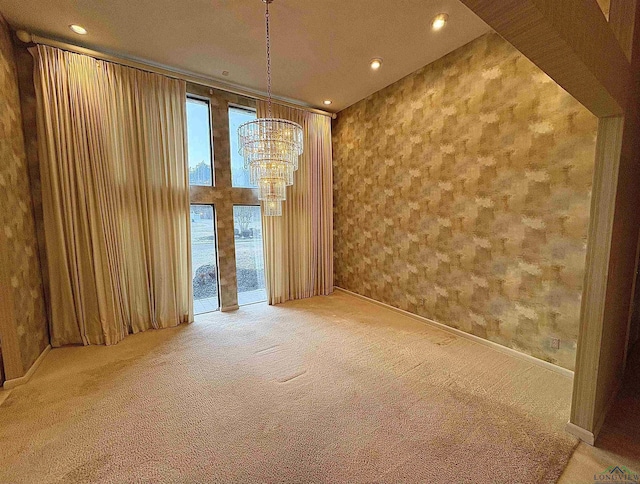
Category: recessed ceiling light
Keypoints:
(326, 102)
(439, 20)
(376, 64)
(78, 29)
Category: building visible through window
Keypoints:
(237, 116)
(199, 142)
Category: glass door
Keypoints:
(247, 224)
(204, 259)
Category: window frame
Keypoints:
(239, 107)
(216, 255)
(259, 207)
(206, 101)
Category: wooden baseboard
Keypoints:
(229, 308)
(581, 433)
(472, 337)
(16, 382)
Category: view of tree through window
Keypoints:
(203, 259)
(237, 116)
(199, 142)
(247, 225)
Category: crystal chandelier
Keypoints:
(270, 148)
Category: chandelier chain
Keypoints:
(271, 148)
(266, 16)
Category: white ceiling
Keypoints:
(320, 48)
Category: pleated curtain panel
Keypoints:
(115, 196)
(298, 246)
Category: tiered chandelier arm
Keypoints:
(270, 148)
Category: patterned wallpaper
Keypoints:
(462, 194)
(16, 214)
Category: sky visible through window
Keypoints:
(237, 116)
(199, 142)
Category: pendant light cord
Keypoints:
(266, 16)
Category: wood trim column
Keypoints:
(621, 15)
(595, 62)
(603, 200)
(571, 41)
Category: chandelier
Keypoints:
(270, 148)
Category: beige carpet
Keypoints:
(328, 389)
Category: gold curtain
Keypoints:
(116, 197)
(298, 246)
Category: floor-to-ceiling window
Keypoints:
(247, 225)
(204, 259)
(219, 180)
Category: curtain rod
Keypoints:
(165, 71)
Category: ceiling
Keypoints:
(320, 48)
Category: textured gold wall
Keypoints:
(16, 215)
(462, 194)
